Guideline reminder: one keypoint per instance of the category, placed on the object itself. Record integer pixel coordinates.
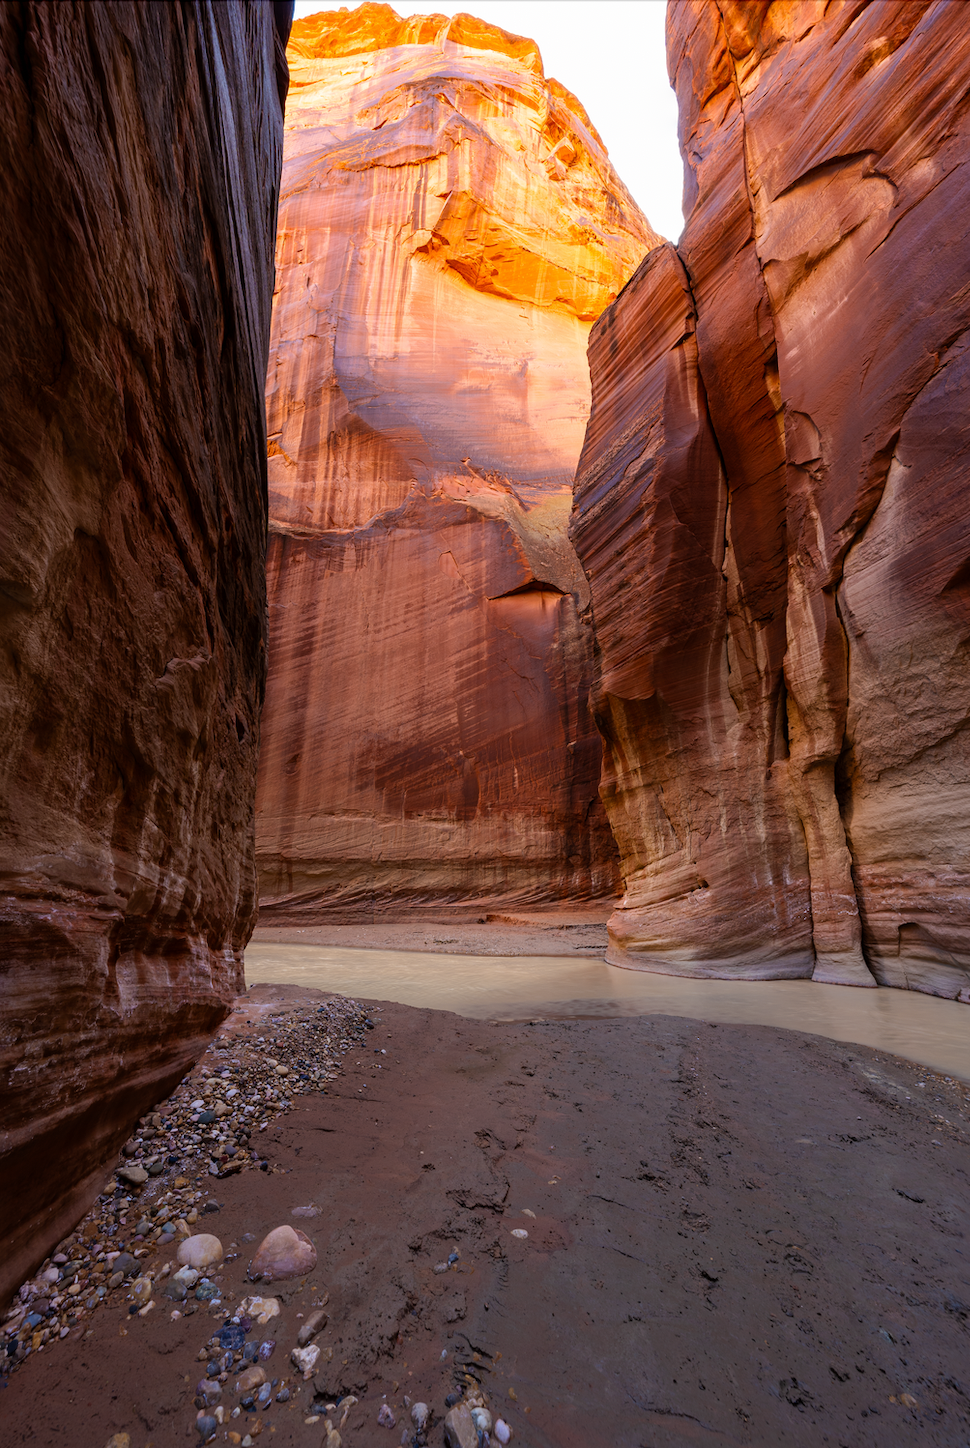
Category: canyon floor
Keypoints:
(736, 1235)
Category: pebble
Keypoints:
(519, 1232)
(482, 1419)
(261, 1309)
(200, 1251)
(305, 1358)
(206, 1426)
(385, 1417)
(419, 1415)
(140, 1290)
(314, 1323)
(284, 1252)
(253, 1377)
(502, 1431)
(135, 1175)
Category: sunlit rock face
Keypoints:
(141, 147)
(450, 226)
(771, 508)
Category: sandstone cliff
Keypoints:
(771, 508)
(141, 147)
(450, 225)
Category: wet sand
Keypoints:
(736, 1234)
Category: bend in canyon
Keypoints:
(450, 226)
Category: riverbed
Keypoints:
(933, 1032)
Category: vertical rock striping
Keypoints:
(450, 226)
(141, 154)
(779, 429)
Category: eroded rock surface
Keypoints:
(770, 510)
(449, 227)
(141, 147)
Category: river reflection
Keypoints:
(512, 988)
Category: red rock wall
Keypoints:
(141, 147)
(785, 686)
(450, 225)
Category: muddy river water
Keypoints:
(934, 1032)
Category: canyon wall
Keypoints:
(450, 226)
(141, 147)
(771, 509)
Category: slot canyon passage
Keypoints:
(494, 583)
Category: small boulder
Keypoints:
(200, 1251)
(285, 1252)
(460, 1431)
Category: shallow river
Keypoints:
(514, 988)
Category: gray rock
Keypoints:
(134, 1174)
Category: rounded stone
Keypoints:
(134, 1174)
(200, 1251)
(285, 1252)
(251, 1378)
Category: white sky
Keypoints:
(610, 53)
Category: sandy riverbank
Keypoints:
(737, 1235)
(552, 930)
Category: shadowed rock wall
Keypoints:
(141, 147)
(449, 227)
(771, 509)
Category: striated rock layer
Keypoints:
(771, 509)
(141, 147)
(450, 226)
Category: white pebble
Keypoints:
(519, 1232)
(305, 1358)
(502, 1431)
